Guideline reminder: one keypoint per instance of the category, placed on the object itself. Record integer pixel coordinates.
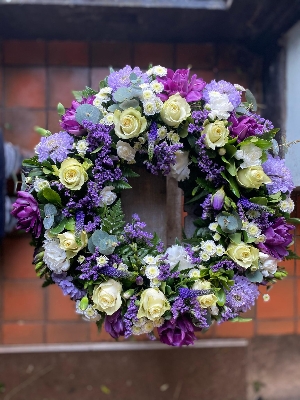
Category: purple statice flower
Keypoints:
(193, 259)
(278, 238)
(135, 231)
(112, 272)
(179, 332)
(207, 166)
(225, 264)
(257, 213)
(152, 136)
(139, 280)
(222, 87)
(130, 316)
(68, 120)
(207, 207)
(242, 295)
(79, 221)
(199, 117)
(279, 174)
(121, 78)
(178, 307)
(66, 284)
(164, 157)
(165, 272)
(199, 314)
(56, 146)
(242, 127)
(114, 324)
(265, 123)
(178, 82)
(26, 210)
(186, 293)
(227, 314)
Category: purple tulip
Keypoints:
(243, 127)
(26, 210)
(217, 200)
(114, 324)
(68, 120)
(278, 238)
(178, 333)
(178, 82)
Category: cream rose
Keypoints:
(252, 177)
(72, 174)
(67, 242)
(243, 254)
(125, 151)
(216, 134)
(175, 110)
(180, 171)
(207, 300)
(201, 285)
(129, 123)
(107, 296)
(153, 304)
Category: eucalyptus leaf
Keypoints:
(122, 94)
(251, 99)
(50, 209)
(255, 277)
(129, 103)
(113, 107)
(48, 221)
(77, 94)
(89, 113)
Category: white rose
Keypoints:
(54, 257)
(268, 264)
(180, 171)
(125, 151)
(250, 154)
(216, 134)
(177, 254)
(153, 304)
(107, 196)
(69, 242)
(175, 110)
(107, 296)
(219, 105)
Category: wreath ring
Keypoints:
(223, 156)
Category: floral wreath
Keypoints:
(224, 157)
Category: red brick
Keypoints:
(67, 332)
(68, 53)
(281, 303)
(97, 75)
(25, 87)
(96, 336)
(210, 333)
(23, 301)
(20, 333)
(19, 127)
(153, 53)
(53, 121)
(17, 257)
(284, 327)
(235, 329)
(206, 75)
(196, 55)
(115, 54)
(62, 81)
(60, 307)
(289, 266)
(24, 52)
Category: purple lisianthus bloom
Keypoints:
(179, 332)
(26, 210)
(56, 146)
(114, 324)
(121, 78)
(243, 127)
(279, 174)
(278, 238)
(68, 120)
(178, 82)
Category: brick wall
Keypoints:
(34, 77)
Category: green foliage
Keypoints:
(89, 113)
(113, 219)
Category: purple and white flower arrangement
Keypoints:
(220, 152)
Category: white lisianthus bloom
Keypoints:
(287, 205)
(55, 257)
(40, 184)
(107, 196)
(125, 151)
(219, 105)
(180, 171)
(107, 296)
(177, 254)
(267, 264)
(250, 154)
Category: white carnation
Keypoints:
(250, 154)
(177, 254)
(107, 196)
(268, 264)
(180, 171)
(54, 257)
(125, 151)
(219, 105)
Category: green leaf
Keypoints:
(199, 196)
(70, 224)
(240, 319)
(262, 201)
(221, 297)
(60, 109)
(233, 184)
(84, 302)
(270, 135)
(120, 185)
(59, 228)
(87, 92)
(236, 237)
(102, 84)
(42, 131)
(31, 162)
(52, 196)
(100, 322)
(36, 172)
(251, 99)
(256, 276)
(77, 94)
(113, 219)
(231, 168)
(293, 220)
(96, 150)
(292, 256)
(230, 150)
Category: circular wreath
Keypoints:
(220, 152)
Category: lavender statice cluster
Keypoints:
(66, 284)
(207, 166)
(164, 157)
(135, 231)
